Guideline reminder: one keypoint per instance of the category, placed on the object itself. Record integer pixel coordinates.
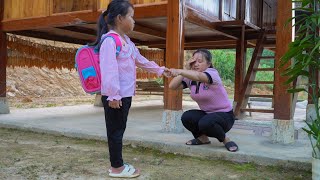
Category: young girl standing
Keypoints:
(118, 73)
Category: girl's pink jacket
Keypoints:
(118, 73)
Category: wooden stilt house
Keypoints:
(174, 26)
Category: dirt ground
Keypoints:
(26, 155)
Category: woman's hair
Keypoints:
(108, 17)
(206, 54)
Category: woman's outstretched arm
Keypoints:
(191, 74)
(176, 83)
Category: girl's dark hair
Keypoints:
(108, 17)
(206, 54)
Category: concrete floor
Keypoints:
(144, 129)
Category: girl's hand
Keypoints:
(115, 104)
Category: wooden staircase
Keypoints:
(245, 92)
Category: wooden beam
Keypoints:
(149, 31)
(211, 47)
(60, 20)
(174, 52)
(48, 36)
(3, 54)
(80, 29)
(67, 33)
(194, 45)
(206, 38)
(79, 17)
(211, 40)
(283, 99)
(196, 17)
(150, 10)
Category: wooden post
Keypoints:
(283, 127)
(282, 98)
(3, 53)
(174, 59)
(240, 65)
(174, 52)
(3, 63)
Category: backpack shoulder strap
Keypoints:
(116, 39)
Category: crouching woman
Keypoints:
(215, 117)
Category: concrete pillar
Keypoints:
(4, 107)
(282, 131)
(97, 101)
(171, 121)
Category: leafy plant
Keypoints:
(224, 62)
(305, 54)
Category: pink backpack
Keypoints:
(87, 64)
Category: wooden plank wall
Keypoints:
(252, 11)
(229, 10)
(21, 9)
(210, 8)
(17, 9)
(61, 6)
(269, 14)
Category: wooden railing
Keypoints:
(260, 13)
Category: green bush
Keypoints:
(224, 62)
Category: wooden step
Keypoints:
(258, 110)
(260, 95)
(261, 82)
(264, 69)
(266, 57)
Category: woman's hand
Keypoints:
(189, 64)
(175, 72)
(115, 104)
